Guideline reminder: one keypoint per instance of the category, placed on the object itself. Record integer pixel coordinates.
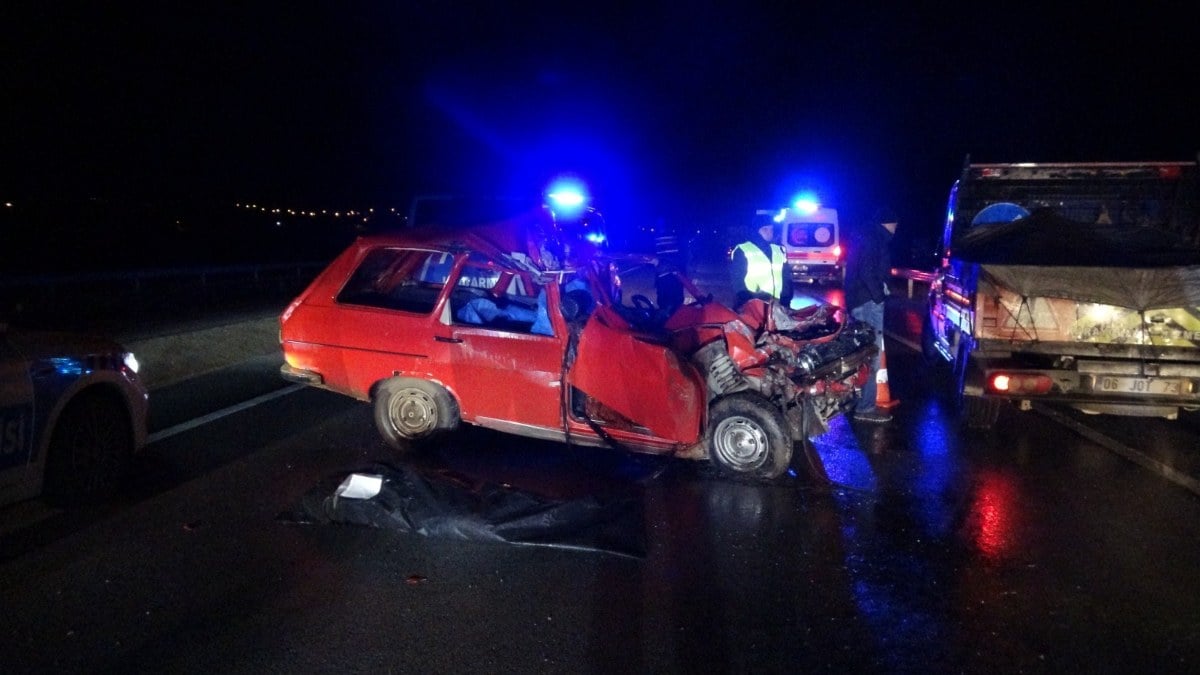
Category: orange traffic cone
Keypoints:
(883, 394)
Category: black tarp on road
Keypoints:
(446, 505)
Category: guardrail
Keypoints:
(912, 276)
(81, 300)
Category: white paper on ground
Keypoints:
(360, 486)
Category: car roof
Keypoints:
(499, 240)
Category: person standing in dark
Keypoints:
(759, 268)
(868, 266)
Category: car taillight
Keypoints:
(1019, 383)
(837, 251)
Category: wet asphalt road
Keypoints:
(1028, 549)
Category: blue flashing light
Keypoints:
(567, 194)
(566, 198)
(807, 203)
(596, 237)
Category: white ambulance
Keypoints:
(809, 235)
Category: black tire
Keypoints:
(748, 436)
(410, 412)
(89, 452)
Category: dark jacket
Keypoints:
(868, 266)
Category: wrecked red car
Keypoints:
(506, 327)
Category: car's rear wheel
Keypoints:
(748, 436)
(89, 451)
(409, 412)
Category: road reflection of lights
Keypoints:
(991, 516)
(845, 462)
(736, 505)
(938, 459)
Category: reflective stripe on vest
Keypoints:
(763, 275)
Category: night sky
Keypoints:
(672, 112)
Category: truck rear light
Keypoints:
(1019, 383)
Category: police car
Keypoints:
(72, 413)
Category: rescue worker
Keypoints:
(759, 268)
(868, 268)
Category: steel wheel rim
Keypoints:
(740, 443)
(412, 412)
(94, 449)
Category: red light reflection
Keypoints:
(992, 515)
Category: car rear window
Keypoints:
(402, 279)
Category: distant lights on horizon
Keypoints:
(365, 215)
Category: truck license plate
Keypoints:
(1140, 385)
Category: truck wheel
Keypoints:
(409, 412)
(89, 451)
(747, 436)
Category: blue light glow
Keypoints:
(68, 366)
(567, 194)
(596, 237)
(807, 203)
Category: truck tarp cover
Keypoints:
(1046, 255)
(449, 506)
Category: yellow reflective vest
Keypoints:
(763, 275)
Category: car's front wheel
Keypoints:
(89, 452)
(748, 436)
(409, 411)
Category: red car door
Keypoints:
(505, 361)
(639, 377)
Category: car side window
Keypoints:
(402, 279)
(495, 296)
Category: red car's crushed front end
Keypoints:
(808, 362)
